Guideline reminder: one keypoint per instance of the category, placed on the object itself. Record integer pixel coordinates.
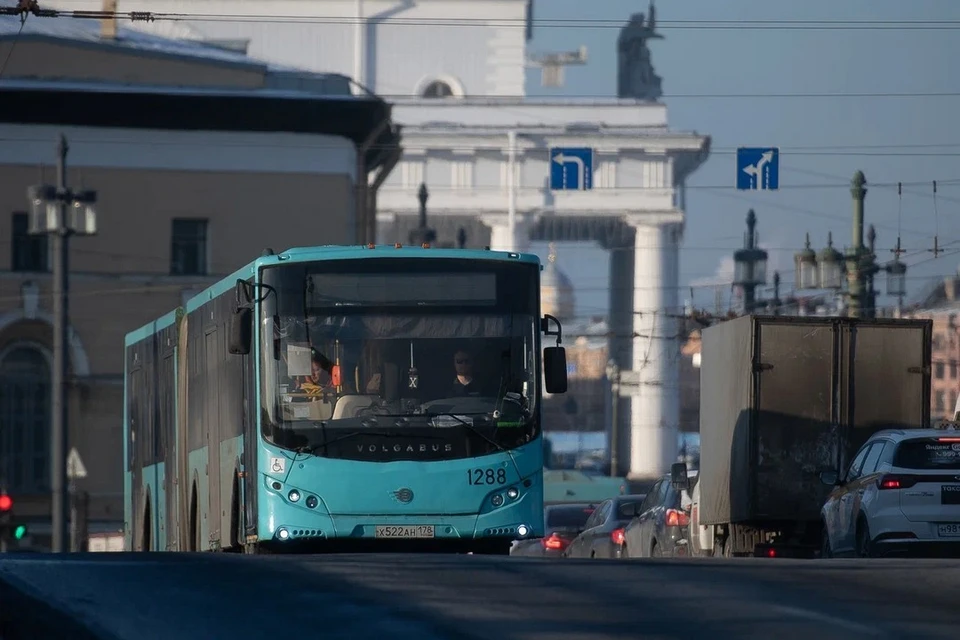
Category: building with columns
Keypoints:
(454, 72)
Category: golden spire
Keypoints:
(552, 256)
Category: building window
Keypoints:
(940, 403)
(29, 253)
(606, 175)
(938, 370)
(653, 175)
(461, 175)
(24, 419)
(188, 251)
(939, 342)
(438, 89)
(953, 370)
(411, 174)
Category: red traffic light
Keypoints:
(6, 502)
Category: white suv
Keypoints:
(900, 496)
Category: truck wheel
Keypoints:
(726, 548)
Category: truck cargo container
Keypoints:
(784, 398)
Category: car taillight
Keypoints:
(617, 536)
(677, 518)
(893, 481)
(553, 541)
(948, 439)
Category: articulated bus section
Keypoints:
(188, 406)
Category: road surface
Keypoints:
(115, 596)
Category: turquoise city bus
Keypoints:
(343, 398)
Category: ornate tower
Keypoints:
(556, 289)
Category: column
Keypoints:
(655, 401)
(620, 327)
(502, 238)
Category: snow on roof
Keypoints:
(86, 32)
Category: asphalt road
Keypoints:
(399, 597)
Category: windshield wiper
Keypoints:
(468, 426)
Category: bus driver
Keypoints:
(464, 384)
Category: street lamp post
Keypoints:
(60, 213)
(826, 270)
(613, 376)
(423, 234)
(750, 265)
(776, 302)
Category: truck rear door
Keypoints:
(795, 375)
(887, 378)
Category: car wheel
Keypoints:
(863, 549)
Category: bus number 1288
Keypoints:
(486, 476)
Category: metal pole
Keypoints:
(61, 292)
(512, 189)
(359, 47)
(614, 420)
(74, 519)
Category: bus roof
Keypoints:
(323, 252)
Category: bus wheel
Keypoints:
(194, 521)
(147, 529)
(255, 549)
(236, 535)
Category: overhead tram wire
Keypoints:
(522, 23)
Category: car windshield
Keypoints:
(571, 517)
(928, 453)
(408, 360)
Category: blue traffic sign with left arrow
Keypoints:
(571, 168)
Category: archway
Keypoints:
(25, 417)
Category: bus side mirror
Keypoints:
(241, 331)
(555, 369)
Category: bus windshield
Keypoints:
(399, 359)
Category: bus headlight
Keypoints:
(312, 502)
(282, 533)
(512, 493)
(523, 530)
(294, 495)
(497, 500)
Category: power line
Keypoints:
(16, 39)
(521, 23)
(896, 150)
(711, 96)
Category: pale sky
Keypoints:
(823, 140)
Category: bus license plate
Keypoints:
(405, 531)
(951, 530)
